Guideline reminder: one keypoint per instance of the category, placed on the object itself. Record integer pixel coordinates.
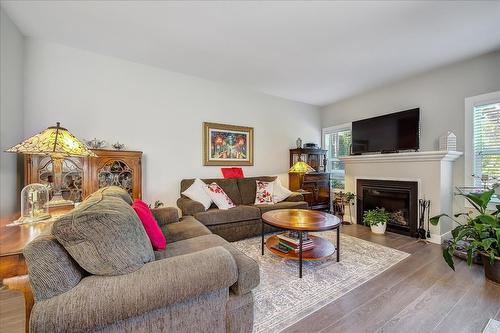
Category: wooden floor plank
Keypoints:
(427, 310)
(373, 314)
(472, 312)
(11, 311)
(422, 257)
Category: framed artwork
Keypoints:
(227, 144)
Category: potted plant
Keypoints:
(377, 219)
(479, 230)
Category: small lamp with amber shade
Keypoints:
(301, 168)
(58, 143)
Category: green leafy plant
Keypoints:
(157, 204)
(376, 216)
(480, 229)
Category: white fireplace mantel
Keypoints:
(432, 170)
(421, 156)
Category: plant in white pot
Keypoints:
(377, 219)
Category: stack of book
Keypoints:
(290, 242)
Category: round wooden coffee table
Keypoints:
(302, 220)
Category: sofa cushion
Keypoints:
(228, 185)
(248, 269)
(188, 227)
(105, 236)
(236, 214)
(52, 271)
(113, 191)
(282, 205)
(248, 188)
(165, 215)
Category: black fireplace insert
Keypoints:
(400, 198)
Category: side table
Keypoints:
(13, 239)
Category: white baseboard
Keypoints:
(438, 239)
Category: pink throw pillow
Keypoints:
(150, 225)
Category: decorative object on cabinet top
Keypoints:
(95, 143)
(298, 143)
(118, 146)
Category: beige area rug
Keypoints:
(282, 298)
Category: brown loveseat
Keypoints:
(245, 219)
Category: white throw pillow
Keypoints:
(197, 192)
(280, 192)
(264, 193)
(219, 197)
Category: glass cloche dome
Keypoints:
(34, 203)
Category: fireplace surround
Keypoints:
(397, 197)
(432, 170)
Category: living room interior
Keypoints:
(243, 166)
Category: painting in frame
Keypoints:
(227, 144)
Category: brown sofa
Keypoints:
(244, 220)
(199, 283)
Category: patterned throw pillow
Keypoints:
(264, 193)
(219, 197)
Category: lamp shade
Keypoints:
(301, 167)
(55, 141)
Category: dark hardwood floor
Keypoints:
(419, 294)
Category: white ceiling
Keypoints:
(313, 52)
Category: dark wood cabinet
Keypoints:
(316, 183)
(83, 176)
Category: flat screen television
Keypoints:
(389, 133)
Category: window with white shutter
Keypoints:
(337, 140)
(486, 142)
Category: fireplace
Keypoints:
(397, 197)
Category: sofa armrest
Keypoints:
(166, 215)
(190, 207)
(98, 301)
(295, 197)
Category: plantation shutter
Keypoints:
(486, 131)
(338, 143)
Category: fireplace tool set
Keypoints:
(424, 207)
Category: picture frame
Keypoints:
(227, 145)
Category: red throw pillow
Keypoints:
(232, 172)
(150, 225)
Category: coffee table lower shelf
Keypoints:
(322, 248)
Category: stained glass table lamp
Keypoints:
(301, 168)
(58, 143)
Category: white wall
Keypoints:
(11, 112)
(440, 94)
(158, 112)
